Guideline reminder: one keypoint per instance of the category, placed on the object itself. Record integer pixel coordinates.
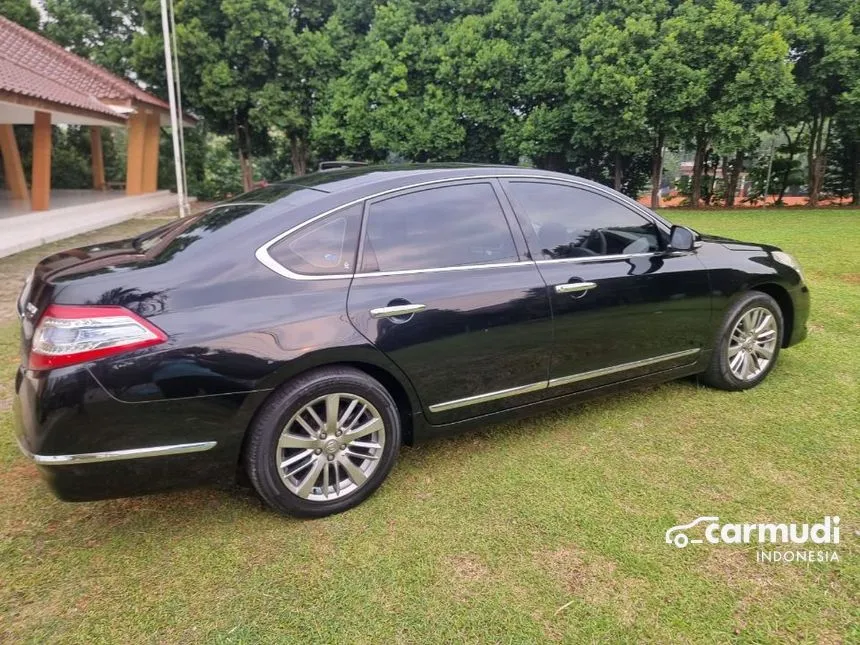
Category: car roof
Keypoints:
(322, 191)
(349, 179)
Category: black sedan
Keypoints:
(297, 335)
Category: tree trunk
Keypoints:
(732, 181)
(247, 172)
(781, 195)
(243, 143)
(619, 172)
(556, 161)
(299, 155)
(698, 165)
(656, 170)
(819, 138)
(855, 188)
(726, 174)
(810, 158)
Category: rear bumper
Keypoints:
(89, 446)
(93, 476)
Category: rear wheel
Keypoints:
(748, 344)
(323, 443)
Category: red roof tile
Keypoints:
(33, 66)
(22, 81)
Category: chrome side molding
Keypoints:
(564, 380)
(396, 310)
(489, 396)
(623, 367)
(115, 455)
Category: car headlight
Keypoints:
(788, 260)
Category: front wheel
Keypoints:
(323, 443)
(748, 343)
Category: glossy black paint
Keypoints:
(237, 330)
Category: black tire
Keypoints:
(719, 373)
(279, 409)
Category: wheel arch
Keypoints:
(377, 367)
(786, 306)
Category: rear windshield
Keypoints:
(179, 234)
(191, 229)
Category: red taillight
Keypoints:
(67, 335)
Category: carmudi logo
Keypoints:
(712, 531)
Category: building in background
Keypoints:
(42, 85)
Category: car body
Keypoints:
(467, 314)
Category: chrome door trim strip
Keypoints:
(599, 258)
(564, 380)
(489, 396)
(262, 253)
(623, 367)
(461, 267)
(396, 310)
(574, 287)
(115, 455)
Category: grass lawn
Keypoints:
(544, 530)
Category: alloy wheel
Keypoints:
(330, 447)
(752, 343)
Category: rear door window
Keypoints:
(448, 226)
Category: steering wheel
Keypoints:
(596, 242)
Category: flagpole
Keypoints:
(175, 115)
(179, 102)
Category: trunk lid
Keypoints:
(57, 271)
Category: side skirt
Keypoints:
(424, 430)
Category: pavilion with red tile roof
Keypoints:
(43, 84)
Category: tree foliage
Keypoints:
(599, 89)
(22, 12)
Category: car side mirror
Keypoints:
(681, 239)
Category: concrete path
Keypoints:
(24, 232)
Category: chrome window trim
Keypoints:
(262, 253)
(556, 382)
(229, 204)
(115, 455)
(599, 258)
(462, 267)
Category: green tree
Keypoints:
(675, 89)
(735, 63)
(307, 61)
(843, 172)
(99, 30)
(608, 90)
(542, 128)
(226, 57)
(22, 12)
(388, 101)
(746, 106)
(480, 68)
(826, 48)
